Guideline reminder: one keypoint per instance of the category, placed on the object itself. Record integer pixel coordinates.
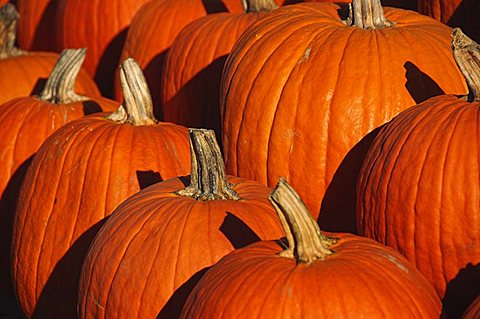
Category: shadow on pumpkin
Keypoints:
(108, 62)
(58, 298)
(419, 84)
(202, 96)
(338, 209)
(148, 178)
(8, 203)
(43, 39)
(461, 291)
(239, 234)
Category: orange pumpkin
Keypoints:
(100, 26)
(173, 233)
(315, 276)
(194, 64)
(25, 123)
(302, 86)
(24, 73)
(419, 187)
(78, 177)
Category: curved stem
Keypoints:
(306, 243)
(8, 31)
(60, 85)
(208, 180)
(367, 14)
(467, 55)
(259, 5)
(137, 109)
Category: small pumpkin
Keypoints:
(173, 233)
(78, 177)
(23, 73)
(285, 110)
(194, 65)
(419, 186)
(315, 275)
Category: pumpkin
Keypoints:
(318, 275)
(301, 87)
(25, 123)
(78, 177)
(37, 24)
(455, 13)
(173, 233)
(419, 186)
(194, 64)
(101, 26)
(148, 46)
(23, 73)
(473, 311)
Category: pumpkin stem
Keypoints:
(8, 31)
(467, 55)
(137, 109)
(60, 85)
(367, 14)
(259, 5)
(208, 180)
(306, 242)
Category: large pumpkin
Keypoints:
(419, 187)
(194, 65)
(100, 26)
(173, 233)
(23, 73)
(316, 275)
(302, 87)
(25, 123)
(78, 177)
(455, 13)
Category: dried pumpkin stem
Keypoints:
(208, 180)
(137, 109)
(306, 242)
(8, 31)
(467, 55)
(367, 14)
(60, 85)
(259, 5)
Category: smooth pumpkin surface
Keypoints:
(300, 89)
(78, 177)
(317, 275)
(172, 231)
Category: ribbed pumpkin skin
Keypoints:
(25, 123)
(456, 13)
(419, 188)
(78, 177)
(148, 46)
(100, 26)
(309, 88)
(36, 24)
(23, 75)
(361, 280)
(156, 241)
(194, 65)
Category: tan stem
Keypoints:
(208, 180)
(467, 55)
(259, 5)
(8, 31)
(60, 85)
(306, 243)
(137, 109)
(367, 14)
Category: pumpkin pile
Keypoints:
(239, 159)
